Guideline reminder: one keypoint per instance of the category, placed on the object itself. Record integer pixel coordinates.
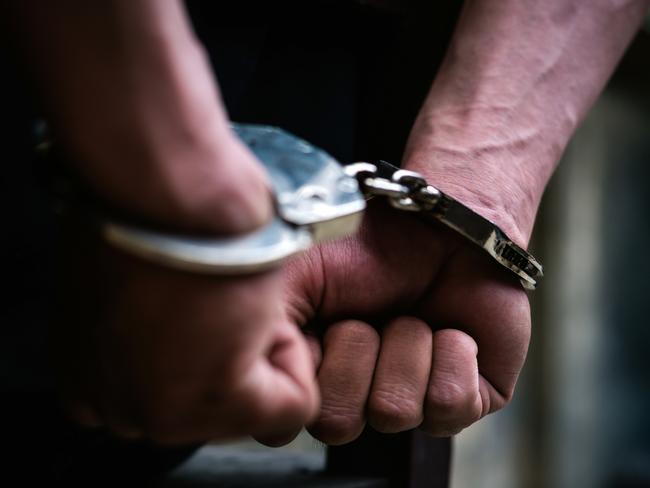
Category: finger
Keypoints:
(498, 321)
(401, 377)
(281, 438)
(290, 396)
(453, 399)
(345, 376)
(271, 399)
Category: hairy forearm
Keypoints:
(129, 93)
(518, 78)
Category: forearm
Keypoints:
(518, 78)
(129, 93)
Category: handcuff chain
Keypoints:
(408, 190)
(405, 190)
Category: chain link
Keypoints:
(406, 190)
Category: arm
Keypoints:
(440, 333)
(517, 80)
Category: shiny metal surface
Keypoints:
(311, 188)
(315, 200)
(256, 251)
(407, 190)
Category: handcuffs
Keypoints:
(316, 199)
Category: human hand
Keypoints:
(421, 329)
(175, 357)
(148, 351)
(516, 82)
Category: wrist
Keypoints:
(501, 176)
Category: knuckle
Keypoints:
(352, 332)
(453, 342)
(442, 429)
(447, 399)
(394, 411)
(337, 425)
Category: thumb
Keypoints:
(215, 185)
(287, 389)
(233, 194)
(209, 183)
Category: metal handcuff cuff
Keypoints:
(316, 199)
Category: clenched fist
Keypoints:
(419, 328)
